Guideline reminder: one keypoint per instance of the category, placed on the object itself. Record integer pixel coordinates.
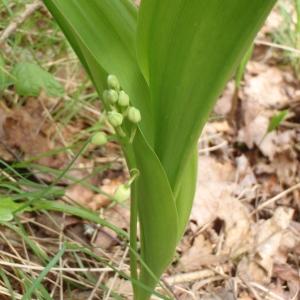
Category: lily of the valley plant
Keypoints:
(168, 61)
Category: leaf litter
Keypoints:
(231, 249)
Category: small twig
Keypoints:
(57, 269)
(116, 275)
(277, 197)
(213, 148)
(189, 277)
(12, 27)
(278, 46)
(266, 291)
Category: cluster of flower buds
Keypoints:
(119, 109)
(119, 103)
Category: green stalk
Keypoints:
(133, 239)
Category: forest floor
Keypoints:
(243, 238)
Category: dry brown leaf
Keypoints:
(286, 272)
(215, 199)
(269, 236)
(254, 133)
(224, 103)
(198, 255)
(245, 177)
(265, 85)
(79, 194)
(26, 129)
(118, 216)
(248, 270)
(87, 198)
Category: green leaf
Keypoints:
(157, 212)
(276, 120)
(4, 78)
(187, 51)
(7, 207)
(185, 192)
(31, 79)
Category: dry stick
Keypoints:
(277, 197)
(213, 148)
(251, 289)
(188, 277)
(116, 275)
(56, 269)
(93, 293)
(12, 27)
(278, 46)
(265, 290)
(61, 291)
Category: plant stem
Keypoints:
(132, 239)
(130, 159)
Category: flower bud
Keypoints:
(99, 139)
(113, 82)
(122, 193)
(112, 96)
(115, 118)
(134, 115)
(123, 99)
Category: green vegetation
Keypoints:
(174, 86)
(155, 104)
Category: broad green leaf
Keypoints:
(185, 191)
(157, 212)
(187, 51)
(93, 29)
(30, 79)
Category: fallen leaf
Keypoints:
(265, 85)
(79, 194)
(198, 255)
(268, 237)
(224, 103)
(215, 199)
(119, 215)
(286, 272)
(25, 129)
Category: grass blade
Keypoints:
(37, 282)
